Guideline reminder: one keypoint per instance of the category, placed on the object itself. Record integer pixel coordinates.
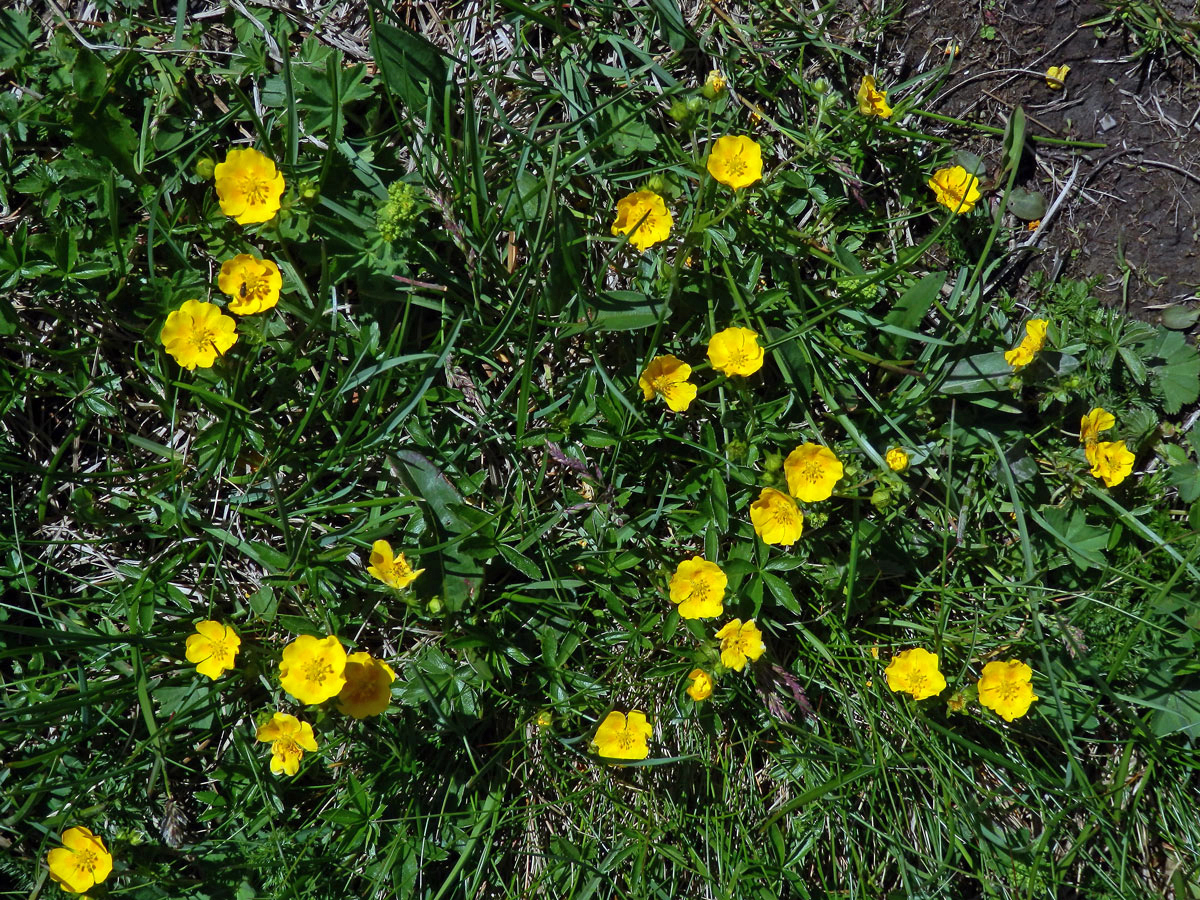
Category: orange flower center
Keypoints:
(86, 860)
(255, 189)
(218, 650)
(735, 165)
(286, 746)
(317, 670)
(201, 335)
(812, 471)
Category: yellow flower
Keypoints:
(915, 672)
(735, 351)
(197, 333)
(714, 84)
(368, 689)
(645, 215)
(1055, 76)
(252, 284)
(289, 738)
(735, 161)
(81, 863)
(313, 669)
(1093, 423)
(668, 377)
(739, 643)
(394, 571)
(544, 719)
(776, 518)
(896, 459)
(1004, 688)
(622, 738)
(812, 471)
(871, 100)
(248, 186)
(1111, 461)
(1034, 340)
(698, 586)
(213, 648)
(701, 686)
(956, 188)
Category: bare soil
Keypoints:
(1132, 216)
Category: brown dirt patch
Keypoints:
(1133, 217)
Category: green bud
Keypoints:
(205, 167)
(307, 188)
(695, 104)
(773, 462)
(736, 450)
(815, 519)
(679, 110)
(820, 86)
(881, 497)
(657, 183)
(435, 606)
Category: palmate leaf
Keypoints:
(1177, 378)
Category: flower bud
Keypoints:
(205, 167)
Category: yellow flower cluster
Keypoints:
(734, 351)
(311, 669)
(1003, 687)
(1111, 461)
(248, 189)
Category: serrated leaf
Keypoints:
(414, 69)
(1084, 543)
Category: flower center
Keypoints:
(285, 746)
(255, 190)
(202, 336)
(699, 591)
(812, 471)
(735, 165)
(784, 515)
(85, 860)
(218, 650)
(317, 670)
(625, 740)
(1009, 691)
(916, 682)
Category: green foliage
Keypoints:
(453, 367)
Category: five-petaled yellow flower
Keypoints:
(253, 285)
(776, 518)
(368, 689)
(735, 161)
(248, 186)
(739, 643)
(1004, 688)
(1111, 461)
(1055, 76)
(915, 672)
(1034, 340)
(197, 333)
(896, 459)
(698, 586)
(1096, 421)
(956, 188)
(619, 737)
(313, 669)
(289, 738)
(700, 686)
(81, 863)
(644, 217)
(213, 648)
(735, 351)
(812, 470)
(668, 376)
(871, 100)
(394, 571)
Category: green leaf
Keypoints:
(415, 70)
(624, 311)
(978, 373)
(630, 132)
(16, 37)
(1177, 379)
(1180, 318)
(1186, 480)
(1084, 543)
(459, 572)
(910, 309)
(1026, 204)
(670, 23)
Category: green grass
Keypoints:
(468, 392)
